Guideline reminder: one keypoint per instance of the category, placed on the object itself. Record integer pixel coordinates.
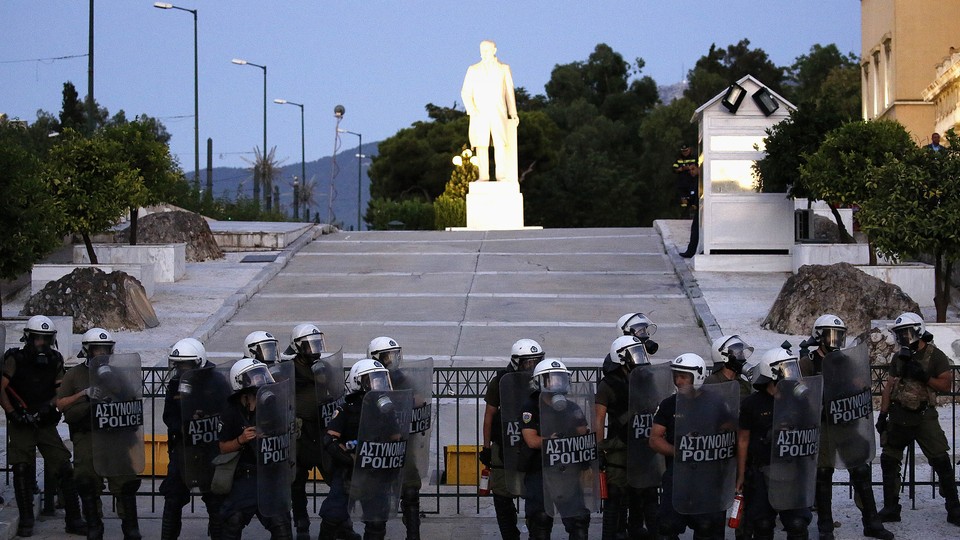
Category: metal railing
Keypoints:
(461, 390)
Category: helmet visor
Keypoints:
(376, 380)
(557, 382)
(267, 352)
(640, 327)
(738, 350)
(182, 363)
(788, 369)
(41, 342)
(99, 349)
(634, 355)
(528, 362)
(255, 377)
(391, 359)
(906, 336)
(833, 338)
(311, 345)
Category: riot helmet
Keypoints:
(40, 333)
(96, 342)
(637, 324)
(730, 351)
(551, 376)
(830, 332)
(188, 353)
(307, 340)
(776, 365)
(693, 364)
(629, 351)
(387, 351)
(249, 373)
(908, 330)
(525, 354)
(261, 346)
(368, 374)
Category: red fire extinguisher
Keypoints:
(603, 484)
(736, 511)
(483, 487)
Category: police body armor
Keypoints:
(649, 385)
(284, 373)
(848, 405)
(514, 390)
(117, 414)
(417, 376)
(380, 454)
(328, 380)
(571, 460)
(203, 396)
(795, 443)
(705, 457)
(274, 446)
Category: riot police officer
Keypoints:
(525, 354)
(237, 430)
(551, 381)
(185, 355)
(634, 324)
(829, 337)
(339, 442)
(729, 354)
(261, 346)
(755, 446)
(31, 375)
(74, 398)
(908, 413)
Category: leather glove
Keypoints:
(48, 414)
(882, 423)
(485, 456)
(913, 370)
(21, 417)
(93, 393)
(338, 454)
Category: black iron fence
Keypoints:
(458, 395)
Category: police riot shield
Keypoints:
(328, 380)
(795, 443)
(417, 376)
(203, 395)
(848, 407)
(649, 385)
(116, 412)
(379, 454)
(274, 444)
(514, 390)
(571, 463)
(284, 373)
(705, 437)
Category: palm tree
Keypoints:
(266, 168)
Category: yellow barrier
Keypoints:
(463, 464)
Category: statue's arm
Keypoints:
(466, 93)
(511, 96)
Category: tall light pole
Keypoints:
(359, 170)
(196, 89)
(256, 184)
(303, 154)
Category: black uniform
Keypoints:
(309, 448)
(503, 500)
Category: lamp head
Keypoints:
(239, 62)
(280, 101)
(162, 5)
(339, 111)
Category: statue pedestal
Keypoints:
(494, 206)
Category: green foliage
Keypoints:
(915, 210)
(410, 214)
(662, 133)
(149, 154)
(449, 211)
(721, 67)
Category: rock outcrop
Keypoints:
(175, 227)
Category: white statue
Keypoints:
(487, 95)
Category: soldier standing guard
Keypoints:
(31, 375)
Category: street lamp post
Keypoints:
(196, 89)
(256, 184)
(359, 170)
(303, 155)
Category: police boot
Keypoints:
(540, 525)
(410, 508)
(328, 530)
(345, 532)
(948, 486)
(127, 503)
(71, 502)
(642, 521)
(506, 517)
(823, 497)
(890, 468)
(302, 524)
(374, 530)
(23, 483)
(581, 528)
(613, 513)
(89, 502)
(171, 521)
(863, 488)
(49, 502)
(214, 519)
(279, 527)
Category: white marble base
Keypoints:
(494, 206)
(169, 260)
(915, 279)
(829, 254)
(742, 263)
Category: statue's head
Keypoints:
(488, 49)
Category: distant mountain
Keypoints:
(228, 181)
(671, 92)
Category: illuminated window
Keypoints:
(732, 175)
(737, 143)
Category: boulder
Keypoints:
(825, 230)
(175, 227)
(840, 289)
(94, 298)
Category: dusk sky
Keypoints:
(382, 60)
